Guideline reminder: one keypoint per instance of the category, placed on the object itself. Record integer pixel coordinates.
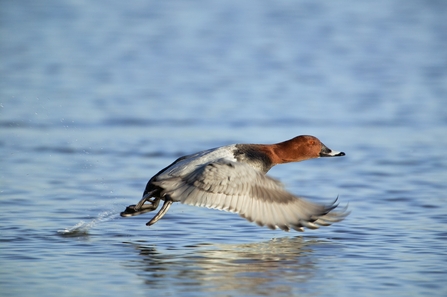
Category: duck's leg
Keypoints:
(162, 211)
(147, 197)
(140, 208)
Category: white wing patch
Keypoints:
(238, 187)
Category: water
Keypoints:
(97, 97)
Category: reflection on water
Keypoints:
(261, 268)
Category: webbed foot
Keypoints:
(141, 207)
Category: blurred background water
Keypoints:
(97, 96)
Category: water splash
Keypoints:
(82, 228)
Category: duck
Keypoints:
(233, 178)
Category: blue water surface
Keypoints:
(96, 97)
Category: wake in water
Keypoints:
(82, 228)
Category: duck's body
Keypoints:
(232, 178)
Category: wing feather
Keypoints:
(238, 187)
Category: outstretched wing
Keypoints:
(238, 187)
